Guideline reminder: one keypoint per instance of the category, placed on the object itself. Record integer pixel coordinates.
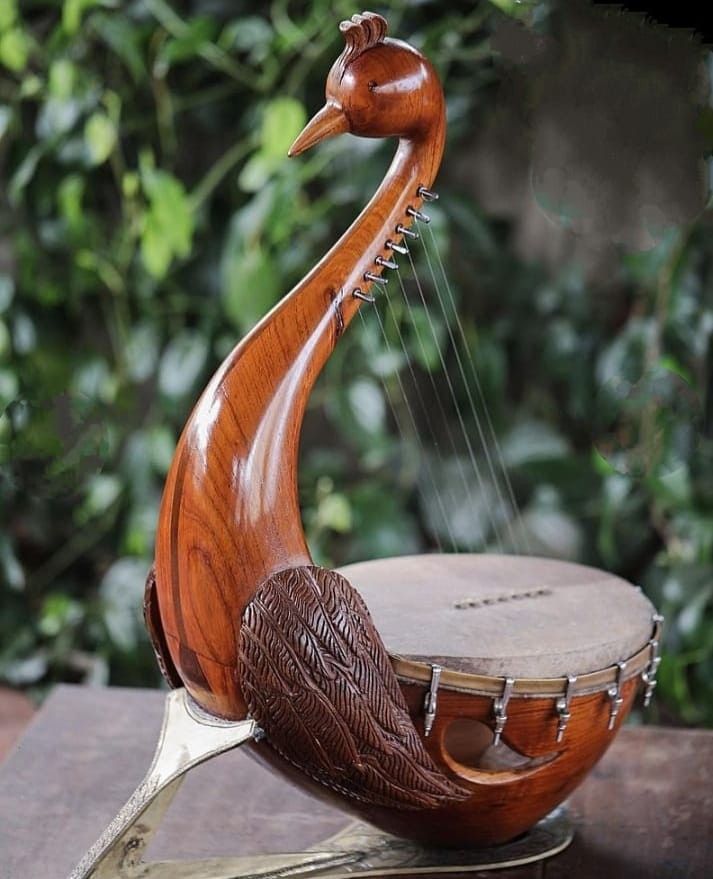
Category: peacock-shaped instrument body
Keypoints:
(237, 611)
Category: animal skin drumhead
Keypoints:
(503, 615)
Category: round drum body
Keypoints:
(549, 654)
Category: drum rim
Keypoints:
(410, 671)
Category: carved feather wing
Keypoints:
(318, 680)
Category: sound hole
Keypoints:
(470, 743)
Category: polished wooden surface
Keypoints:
(506, 801)
(230, 515)
(230, 530)
(644, 812)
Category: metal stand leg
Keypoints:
(189, 737)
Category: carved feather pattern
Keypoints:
(318, 680)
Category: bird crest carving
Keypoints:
(361, 32)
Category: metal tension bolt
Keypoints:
(500, 706)
(614, 693)
(648, 676)
(365, 297)
(399, 248)
(375, 279)
(430, 703)
(386, 263)
(563, 707)
(417, 215)
(409, 233)
(426, 194)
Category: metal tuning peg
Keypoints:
(365, 297)
(563, 707)
(417, 215)
(426, 194)
(430, 703)
(398, 248)
(614, 693)
(386, 263)
(409, 233)
(375, 279)
(500, 707)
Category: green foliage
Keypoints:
(150, 218)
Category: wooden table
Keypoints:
(645, 811)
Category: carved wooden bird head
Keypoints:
(378, 87)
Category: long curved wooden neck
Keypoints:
(230, 514)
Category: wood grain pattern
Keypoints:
(318, 681)
(230, 515)
(504, 803)
(298, 649)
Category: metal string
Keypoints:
(457, 457)
(524, 540)
(481, 435)
(471, 453)
(425, 409)
(404, 436)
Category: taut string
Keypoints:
(405, 438)
(457, 453)
(479, 389)
(425, 409)
(491, 513)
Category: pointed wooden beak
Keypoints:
(329, 121)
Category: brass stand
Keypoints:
(189, 737)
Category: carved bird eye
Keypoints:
(373, 84)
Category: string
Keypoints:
(479, 389)
(404, 436)
(471, 402)
(471, 453)
(419, 394)
(457, 457)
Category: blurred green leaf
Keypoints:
(72, 13)
(8, 14)
(335, 512)
(24, 172)
(14, 49)
(282, 121)
(100, 137)
(59, 612)
(181, 363)
(103, 491)
(121, 590)
(168, 223)
(251, 284)
(5, 120)
(367, 405)
(184, 47)
(12, 573)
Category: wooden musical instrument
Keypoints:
(241, 617)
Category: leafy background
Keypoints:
(149, 217)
